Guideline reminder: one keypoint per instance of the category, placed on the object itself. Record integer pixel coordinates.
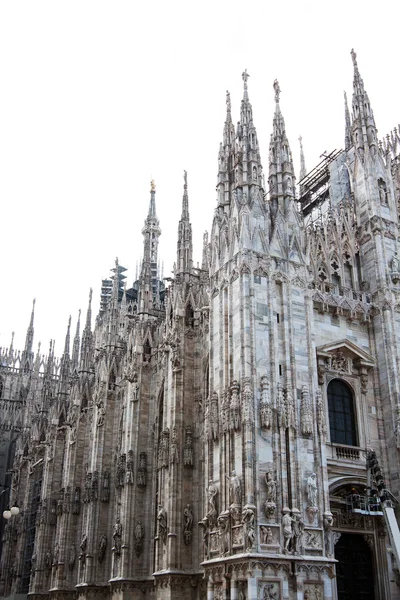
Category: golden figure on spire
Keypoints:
(153, 186)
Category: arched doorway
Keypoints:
(354, 570)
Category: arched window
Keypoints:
(342, 422)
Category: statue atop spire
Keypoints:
(228, 102)
(354, 58)
(277, 90)
(303, 170)
(152, 186)
(245, 77)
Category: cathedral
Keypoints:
(204, 437)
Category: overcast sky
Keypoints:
(99, 97)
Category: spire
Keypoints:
(67, 338)
(11, 349)
(27, 355)
(86, 346)
(204, 261)
(65, 361)
(364, 129)
(148, 276)
(184, 262)
(75, 348)
(281, 172)
(347, 135)
(303, 170)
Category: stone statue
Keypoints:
(287, 529)
(312, 490)
(139, 535)
(162, 523)
(71, 556)
(101, 414)
(271, 486)
(223, 525)
(298, 531)
(121, 467)
(204, 524)
(187, 524)
(83, 547)
(129, 468)
(235, 488)
(277, 90)
(212, 503)
(135, 390)
(266, 535)
(117, 537)
(105, 490)
(395, 263)
(174, 450)
(142, 470)
(102, 548)
(76, 506)
(328, 524)
(188, 448)
(249, 527)
(235, 406)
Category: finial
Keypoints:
(354, 58)
(185, 178)
(152, 186)
(245, 77)
(228, 102)
(277, 90)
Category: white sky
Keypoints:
(98, 97)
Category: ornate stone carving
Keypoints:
(163, 449)
(102, 546)
(312, 539)
(87, 494)
(269, 590)
(306, 412)
(83, 547)
(162, 524)
(312, 490)
(321, 422)
(311, 512)
(67, 500)
(265, 404)
(266, 535)
(225, 407)
(248, 517)
(117, 537)
(339, 362)
(53, 512)
(105, 488)
(142, 470)
(289, 406)
(95, 486)
(187, 524)
(174, 448)
(313, 591)
(129, 468)
(188, 447)
(138, 535)
(298, 531)
(134, 389)
(280, 407)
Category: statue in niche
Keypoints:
(72, 557)
(117, 537)
(214, 415)
(187, 524)
(298, 531)
(101, 414)
(223, 525)
(235, 406)
(135, 389)
(312, 490)
(129, 468)
(225, 411)
(270, 482)
(249, 527)
(212, 504)
(265, 404)
(235, 488)
(205, 525)
(139, 535)
(287, 529)
(105, 491)
(142, 471)
(76, 506)
(162, 523)
(83, 547)
(121, 467)
(102, 548)
(247, 401)
(56, 553)
(174, 450)
(95, 486)
(188, 449)
(328, 524)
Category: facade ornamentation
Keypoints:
(142, 470)
(214, 415)
(247, 402)
(117, 537)
(224, 538)
(265, 404)
(102, 547)
(121, 471)
(312, 490)
(139, 535)
(187, 524)
(129, 468)
(162, 524)
(76, 504)
(248, 517)
(105, 488)
(174, 448)
(234, 423)
(306, 412)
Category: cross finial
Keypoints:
(277, 90)
(245, 77)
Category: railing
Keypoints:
(346, 453)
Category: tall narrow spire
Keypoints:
(204, 261)
(364, 129)
(303, 170)
(148, 276)
(86, 346)
(347, 134)
(75, 348)
(27, 355)
(65, 360)
(184, 260)
(281, 172)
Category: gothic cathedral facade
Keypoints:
(205, 440)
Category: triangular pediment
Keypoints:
(349, 349)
